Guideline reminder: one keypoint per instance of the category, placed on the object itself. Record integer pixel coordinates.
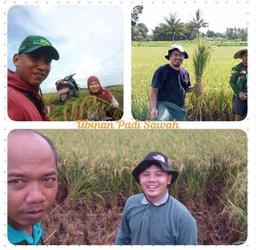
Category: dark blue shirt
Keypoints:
(171, 84)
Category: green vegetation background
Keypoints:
(215, 102)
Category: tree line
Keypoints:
(174, 29)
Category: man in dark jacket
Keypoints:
(238, 83)
(33, 64)
(32, 185)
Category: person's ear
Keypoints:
(170, 179)
(16, 59)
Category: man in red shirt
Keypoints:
(33, 64)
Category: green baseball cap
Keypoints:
(32, 43)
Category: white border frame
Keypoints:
(248, 125)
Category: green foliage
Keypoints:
(201, 58)
(198, 22)
(174, 25)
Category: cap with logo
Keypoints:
(177, 47)
(158, 159)
(33, 43)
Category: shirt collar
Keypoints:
(15, 236)
(162, 201)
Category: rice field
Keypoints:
(215, 102)
(95, 180)
(85, 107)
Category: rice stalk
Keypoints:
(201, 59)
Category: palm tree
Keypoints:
(198, 23)
(175, 26)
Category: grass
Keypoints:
(84, 107)
(214, 104)
(95, 181)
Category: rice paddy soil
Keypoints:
(96, 224)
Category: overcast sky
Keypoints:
(219, 16)
(89, 39)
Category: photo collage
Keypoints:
(142, 115)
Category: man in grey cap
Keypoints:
(169, 86)
(33, 64)
(238, 83)
(154, 217)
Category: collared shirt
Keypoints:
(20, 237)
(167, 222)
(164, 199)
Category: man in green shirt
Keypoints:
(32, 185)
(238, 83)
(154, 217)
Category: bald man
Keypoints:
(32, 185)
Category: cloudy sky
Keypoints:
(89, 39)
(219, 16)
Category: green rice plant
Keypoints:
(201, 58)
(76, 179)
(237, 218)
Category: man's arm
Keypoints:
(187, 231)
(233, 81)
(152, 100)
(123, 236)
(186, 84)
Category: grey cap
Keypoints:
(178, 47)
(158, 159)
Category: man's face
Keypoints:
(94, 87)
(244, 58)
(32, 180)
(32, 68)
(176, 58)
(153, 182)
